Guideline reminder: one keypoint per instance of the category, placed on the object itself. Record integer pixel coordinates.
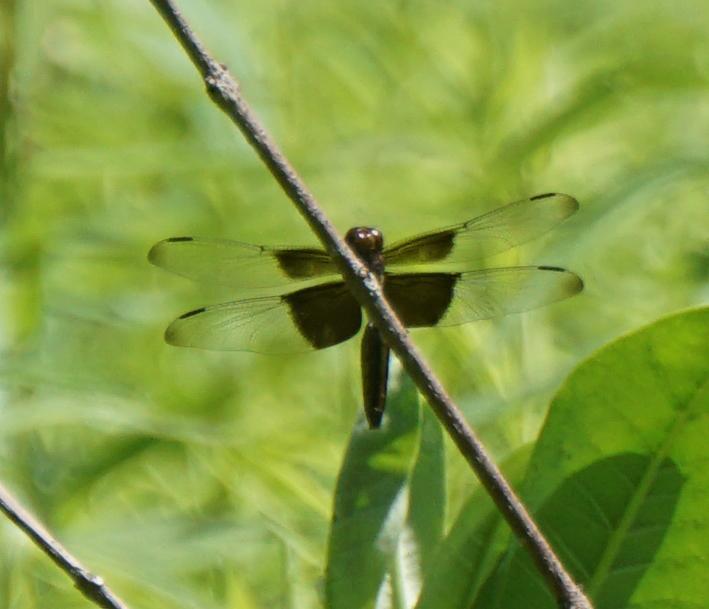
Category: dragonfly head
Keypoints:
(365, 240)
(368, 244)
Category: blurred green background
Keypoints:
(197, 479)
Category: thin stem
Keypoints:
(224, 91)
(91, 586)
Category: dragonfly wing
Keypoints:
(312, 318)
(449, 299)
(238, 264)
(491, 233)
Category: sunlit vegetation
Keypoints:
(189, 478)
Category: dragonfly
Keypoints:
(326, 314)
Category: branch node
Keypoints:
(88, 583)
(220, 83)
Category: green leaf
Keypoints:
(388, 513)
(471, 548)
(423, 529)
(618, 478)
(428, 490)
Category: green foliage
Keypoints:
(388, 514)
(616, 482)
(617, 472)
(194, 479)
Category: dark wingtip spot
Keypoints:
(546, 195)
(191, 313)
(557, 269)
(177, 239)
(573, 203)
(167, 336)
(154, 255)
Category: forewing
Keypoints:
(236, 264)
(449, 299)
(491, 233)
(312, 318)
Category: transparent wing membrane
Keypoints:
(491, 293)
(312, 318)
(239, 265)
(449, 299)
(491, 233)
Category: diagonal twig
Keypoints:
(224, 91)
(91, 586)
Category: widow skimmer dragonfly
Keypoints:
(325, 314)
